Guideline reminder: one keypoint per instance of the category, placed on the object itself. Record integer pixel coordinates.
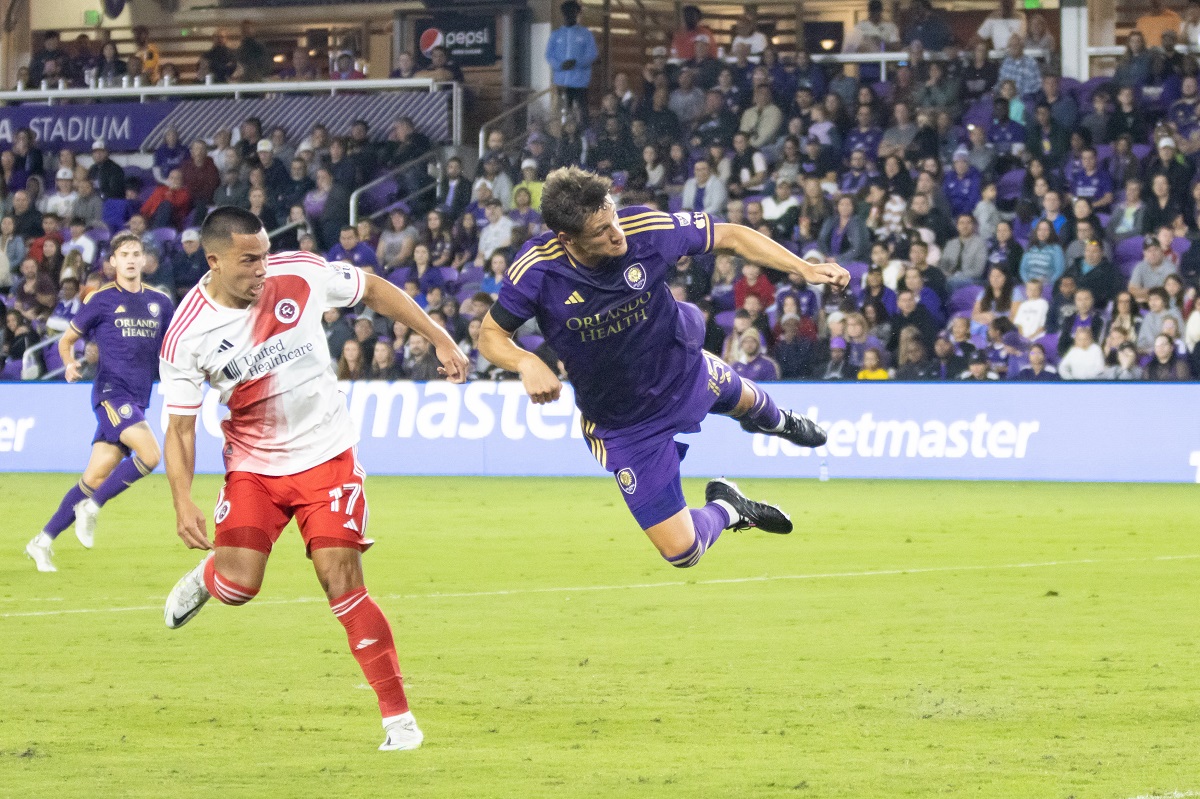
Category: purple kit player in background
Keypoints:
(597, 286)
(127, 321)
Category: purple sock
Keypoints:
(64, 517)
(764, 413)
(128, 472)
(709, 521)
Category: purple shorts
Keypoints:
(645, 459)
(113, 417)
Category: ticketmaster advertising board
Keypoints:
(1058, 431)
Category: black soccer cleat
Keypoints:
(800, 430)
(767, 518)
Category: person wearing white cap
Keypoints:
(531, 181)
(274, 171)
(1175, 167)
(62, 201)
(106, 174)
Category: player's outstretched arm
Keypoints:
(66, 351)
(384, 298)
(497, 345)
(179, 444)
(757, 248)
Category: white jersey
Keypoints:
(270, 363)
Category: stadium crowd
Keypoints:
(999, 221)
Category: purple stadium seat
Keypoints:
(856, 269)
(980, 113)
(675, 203)
(1087, 89)
(1140, 151)
(11, 370)
(471, 274)
(466, 292)
(725, 320)
(1050, 342)
(1104, 152)
(377, 197)
(531, 342)
(963, 300)
(1128, 253)
(52, 358)
(449, 277)
(1181, 245)
(1011, 184)
(165, 236)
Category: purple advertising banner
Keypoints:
(123, 126)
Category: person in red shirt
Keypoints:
(753, 281)
(683, 43)
(169, 205)
(200, 174)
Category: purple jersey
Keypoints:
(627, 344)
(128, 328)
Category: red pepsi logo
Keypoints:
(430, 39)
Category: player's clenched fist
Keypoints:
(541, 384)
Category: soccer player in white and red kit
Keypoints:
(252, 330)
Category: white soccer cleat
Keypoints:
(86, 513)
(187, 597)
(38, 549)
(402, 733)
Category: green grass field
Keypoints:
(909, 640)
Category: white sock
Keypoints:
(734, 516)
(390, 720)
(43, 539)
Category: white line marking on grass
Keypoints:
(665, 584)
(1171, 795)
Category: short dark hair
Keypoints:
(223, 223)
(128, 237)
(570, 196)
(351, 228)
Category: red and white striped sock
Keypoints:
(224, 589)
(372, 645)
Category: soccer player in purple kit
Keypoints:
(597, 285)
(127, 321)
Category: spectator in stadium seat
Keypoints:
(335, 212)
(753, 281)
(169, 155)
(1023, 70)
(1158, 21)
(1084, 360)
(978, 369)
(233, 190)
(441, 68)
(106, 174)
(1096, 273)
(763, 120)
(50, 50)
(843, 236)
(221, 60)
(297, 186)
(497, 235)
(964, 258)
(396, 243)
(1152, 320)
(62, 201)
(704, 191)
(464, 240)
(873, 34)
(454, 190)
(683, 42)
(344, 68)
(26, 219)
(1178, 170)
(1044, 258)
(754, 363)
(1152, 271)
(252, 59)
(928, 27)
(257, 203)
(836, 367)
(1045, 138)
(1038, 370)
(169, 205)
(249, 135)
(912, 314)
(301, 67)
(1001, 25)
(147, 52)
(421, 362)
(571, 51)
(275, 174)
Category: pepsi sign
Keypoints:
(471, 41)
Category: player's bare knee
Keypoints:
(150, 459)
(239, 568)
(339, 570)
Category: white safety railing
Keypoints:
(901, 57)
(31, 369)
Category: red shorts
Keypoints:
(327, 501)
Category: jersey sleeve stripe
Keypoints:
(533, 253)
(648, 227)
(515, 274)
(362, 287)
(712, 234)
(645, 215)
(191, 309)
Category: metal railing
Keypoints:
(29, 362)
(285, 228)
(333, 87)
(408, 198)
(903, 56)
(386, 176)
(524, 106)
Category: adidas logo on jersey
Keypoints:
(231, 370)
(120, 309)
(574, 299)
